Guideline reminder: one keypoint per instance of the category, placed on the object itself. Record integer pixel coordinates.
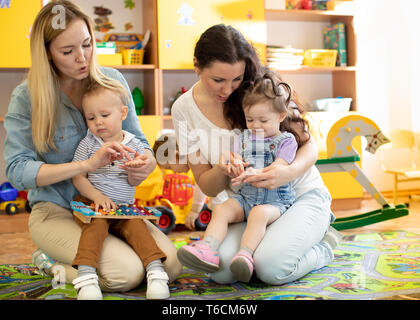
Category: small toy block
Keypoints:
(153, 211)
(82, 208)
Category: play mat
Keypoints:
(366, 266)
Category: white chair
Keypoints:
(398, 158)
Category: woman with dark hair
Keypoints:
(205, 118)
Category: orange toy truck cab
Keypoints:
(177, 188)
(172, 195)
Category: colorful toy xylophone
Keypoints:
(85, 213)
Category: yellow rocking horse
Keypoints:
(343, 157)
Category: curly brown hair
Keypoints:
(270, 87)
(226, 44)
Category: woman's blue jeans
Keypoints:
(292, 245)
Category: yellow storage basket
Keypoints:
(133, 56)
(320, 58)
(110, 59)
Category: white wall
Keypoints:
(388, 78)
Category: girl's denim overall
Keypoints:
(260, 153)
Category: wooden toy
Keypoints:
(343, 157)
(85, 212)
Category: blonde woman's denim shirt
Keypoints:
(23, 163)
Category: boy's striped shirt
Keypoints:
(111, 180)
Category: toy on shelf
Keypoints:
(292, 4)
(343, 157)
(306, 4)
(167, 110)
(130, 45)
(85, 212)
(138, 99)
(11, 199)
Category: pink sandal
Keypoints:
(199, 256)
(242, 267)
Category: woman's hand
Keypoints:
(140, 167)
(242, 177)
(270, 177)
(107, 153)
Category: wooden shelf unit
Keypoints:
(306, 15)
(343, 78)
(307, 69)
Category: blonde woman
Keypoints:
(44, 125)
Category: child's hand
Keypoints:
(107, 153)
(137, 162)
(102, 201)
(231, 164)
(249, 172)
(190, 220)
(143, 165)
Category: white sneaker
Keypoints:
(87, 287)
(157, 285)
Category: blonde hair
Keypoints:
(96, 88)
(43, 78)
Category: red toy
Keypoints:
(306, 4)
(177, 188)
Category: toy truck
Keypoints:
(172, 196)
(11, 199)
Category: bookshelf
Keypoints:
(302, 29)
(340, 80)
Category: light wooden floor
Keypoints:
(17, 247)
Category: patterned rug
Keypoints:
(366, 267)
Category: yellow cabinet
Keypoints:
(248, 16)
(16, 18)
(180, 24)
